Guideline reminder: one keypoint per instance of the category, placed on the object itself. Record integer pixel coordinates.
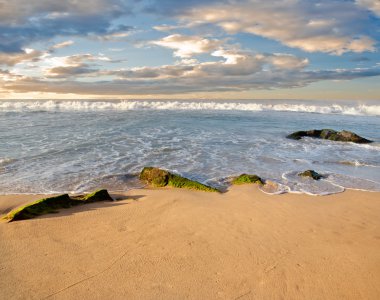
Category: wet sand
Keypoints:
(180, 244)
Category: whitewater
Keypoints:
(56, 146)
(322, 108)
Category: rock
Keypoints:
(99, 195)
(311, 174)
(160, 178)
(247, 178)
(155, 176)
(330, 134)
(39, 207)
(52, 204)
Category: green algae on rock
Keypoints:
(155, 176)
(311, 174)
(52, 204)
(160, 178)
(99, 195)
(330, 134)
(247, 178)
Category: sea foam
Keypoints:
(130, 105)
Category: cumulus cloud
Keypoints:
(326, 26)
(237, 70)
(187, 46)
(203, 63)
(11, 59)
(73, 66)
(372, 5)
(17, 12)
(23, 22)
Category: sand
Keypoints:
(177, 244)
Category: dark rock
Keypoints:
(330, 134)
(311, 174)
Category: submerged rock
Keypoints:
(160, 178)
(330, 134)
(52, 204)
(311, 174)
(247, 178)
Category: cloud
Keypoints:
(62, 45)
(333, 27)
(70, 71)
(372, 5)
(287, 61)
(260, 80)
(237, 70)
(118, 33)
(17, 12)
(11, 59)
(73, 66)
(187, 46)
(23, 22)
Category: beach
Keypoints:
(183, 244)
(190, 150)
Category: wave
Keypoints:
(130, 105)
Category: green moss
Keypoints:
(159, 178)
(39, 207)
(99, 195)
(181, 182)
(155, 176)
(328, 134)
(53, 204)
(247, 178)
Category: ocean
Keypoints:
(57, 146)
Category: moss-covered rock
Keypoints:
(39, 207)
(312, 174)
(53, 204)
(330, 134)
(160, 178)
(99, 195)
(155, 176)
(247, 178)
(182, 182)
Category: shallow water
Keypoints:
(76, 146)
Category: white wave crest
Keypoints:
(15, 106)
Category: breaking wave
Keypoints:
(125, 105)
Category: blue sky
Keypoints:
(293, 49)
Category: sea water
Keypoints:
(77, 146)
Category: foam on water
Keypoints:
(357, 109)
(307, 185)
(77, 146)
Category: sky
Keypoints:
(170, 49)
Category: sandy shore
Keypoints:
(177, 244)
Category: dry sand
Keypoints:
(177, 244)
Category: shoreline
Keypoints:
(182, 244)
